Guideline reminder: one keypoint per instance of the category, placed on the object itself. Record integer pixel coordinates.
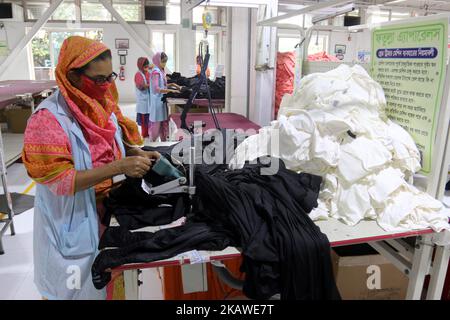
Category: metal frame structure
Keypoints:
(414, 261)
(305, 10)
(8, 222)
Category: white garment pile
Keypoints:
(334, 126)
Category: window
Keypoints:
(173, 12)
(338, 21)
(91, 10)
(212, 43)
(375, 15)
(40, 47)
(308, 21)
(65, 11)
(297, 20)
(45, 48)
(399, 15)
(354, 13)
(35, 9)
(287, 44)
(94, 11)
(130, 10)
(165, 41)
(172, 8)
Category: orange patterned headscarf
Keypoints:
(92, 115)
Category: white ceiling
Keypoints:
(430, 5)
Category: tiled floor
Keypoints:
(128, 110)
(16, 265)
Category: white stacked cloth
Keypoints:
(334, 126)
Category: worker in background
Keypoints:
(158, 118)
(74, 144)
(199, 67)
(142, 82)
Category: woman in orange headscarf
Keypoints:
(75, 143)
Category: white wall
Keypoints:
(239, 64)
(186, 41)
(343, 38)
(110, 33)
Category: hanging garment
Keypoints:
(216, 87)
(322, 56)
(265, 215)
(285, 77)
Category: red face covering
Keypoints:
(93, 90)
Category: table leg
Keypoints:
(420, 266)
(438, 272)
(130, 279)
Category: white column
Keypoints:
(239, 65)
(263, 110)
(187, 40)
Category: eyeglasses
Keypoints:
(99, 80)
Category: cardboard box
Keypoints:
(17, 119)
(355, 278)
(2, 114)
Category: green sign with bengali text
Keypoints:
(409, 62)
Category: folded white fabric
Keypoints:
(360, 157)
(334, 126)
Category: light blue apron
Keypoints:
(66, 227)
(143, 98)
(158, 110)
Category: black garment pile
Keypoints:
(264, 215)
(216, 87)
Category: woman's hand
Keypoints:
(134, 166)
(174, 86)
(152, 155)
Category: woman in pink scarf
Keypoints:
(158, 123)
(142, 82)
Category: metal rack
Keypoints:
(202, 82)
(5, 198)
